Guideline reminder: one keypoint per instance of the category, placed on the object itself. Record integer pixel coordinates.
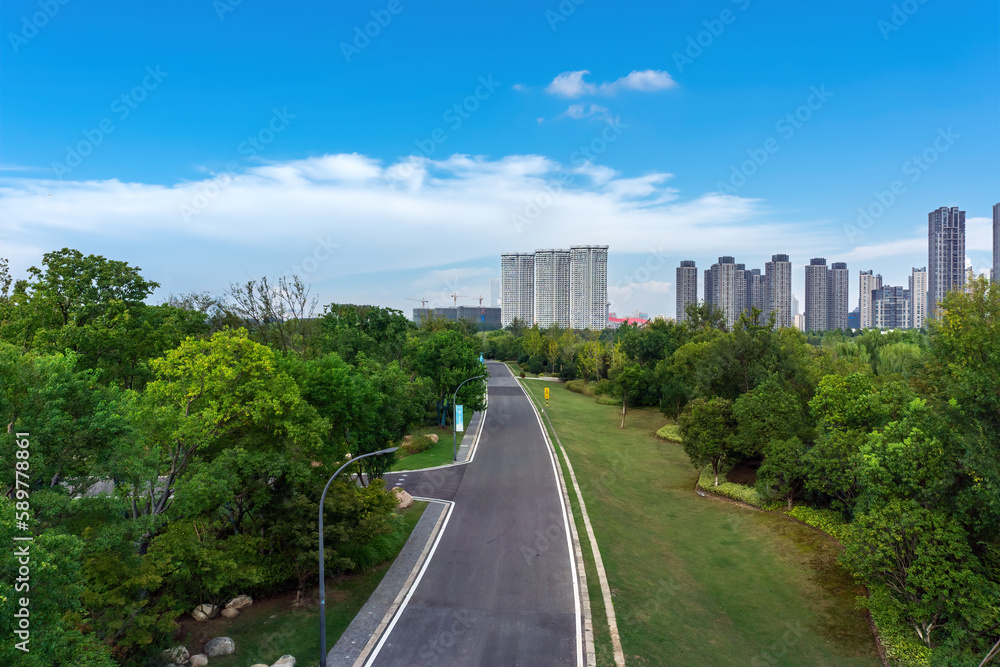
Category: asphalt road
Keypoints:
(499, 589)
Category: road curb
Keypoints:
(370, 623)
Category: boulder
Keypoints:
(176, 656)
(285, 661)
(229, 612)
(403, 499)
(433, 437)
(239, 602)
(203, 612)
(219, 646)
(199, 660)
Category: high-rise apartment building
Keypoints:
(687, 288)
(817, 295)
(552, 288)
(742, 297)
(778, 291)
(517, 287)
(996, 244)
(494, 293)
(918, 298)
(795, 306)
(756, 287)
(868, 282)
(709, 286)
(838, 286)
(564, 287)
(727, 294)
(588, 287)
(892, 307)
(945, 254)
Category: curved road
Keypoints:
(500, 589)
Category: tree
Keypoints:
(707, 428)
(629, 384)
(703, 316)
(446, 358)
(517, 327)
(766, 413)
(377, 333)
(279, 315)
(205, 392)
(923, 559)
(783, 470)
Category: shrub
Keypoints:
(536, 365)
(604, 399)
(604, 387)
(740, 492)
(522, 359)
(830, 522)
(670, 432)
(581, 387)
(417, 444)
(901, 644)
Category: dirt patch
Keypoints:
(194, 635)
(744, 472)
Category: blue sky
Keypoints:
(231, 140)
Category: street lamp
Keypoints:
(322, 578)
(454, 423)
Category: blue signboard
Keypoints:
(459, 419)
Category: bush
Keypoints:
(604, 399)
(569, 371)
(740, 492)
(901, 644)
(830, 522)
(670, 432)
(604, 388)
(581, 387)
(536, 365)
(522, 359)
(417, 444)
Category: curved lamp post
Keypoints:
(454, 422)
(322, 575)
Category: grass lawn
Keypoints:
(699, 581)
(439, 454)
(273, 627)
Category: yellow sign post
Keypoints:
(546, 397)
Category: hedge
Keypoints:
(670, 432)
(740, 492)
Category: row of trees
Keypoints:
(898, 432)
(177, 451)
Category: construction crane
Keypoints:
(456, 296)
(423, 302)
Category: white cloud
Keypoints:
(579, 111)
(358, 216)
(572, 84)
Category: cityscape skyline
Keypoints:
(302, 160)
